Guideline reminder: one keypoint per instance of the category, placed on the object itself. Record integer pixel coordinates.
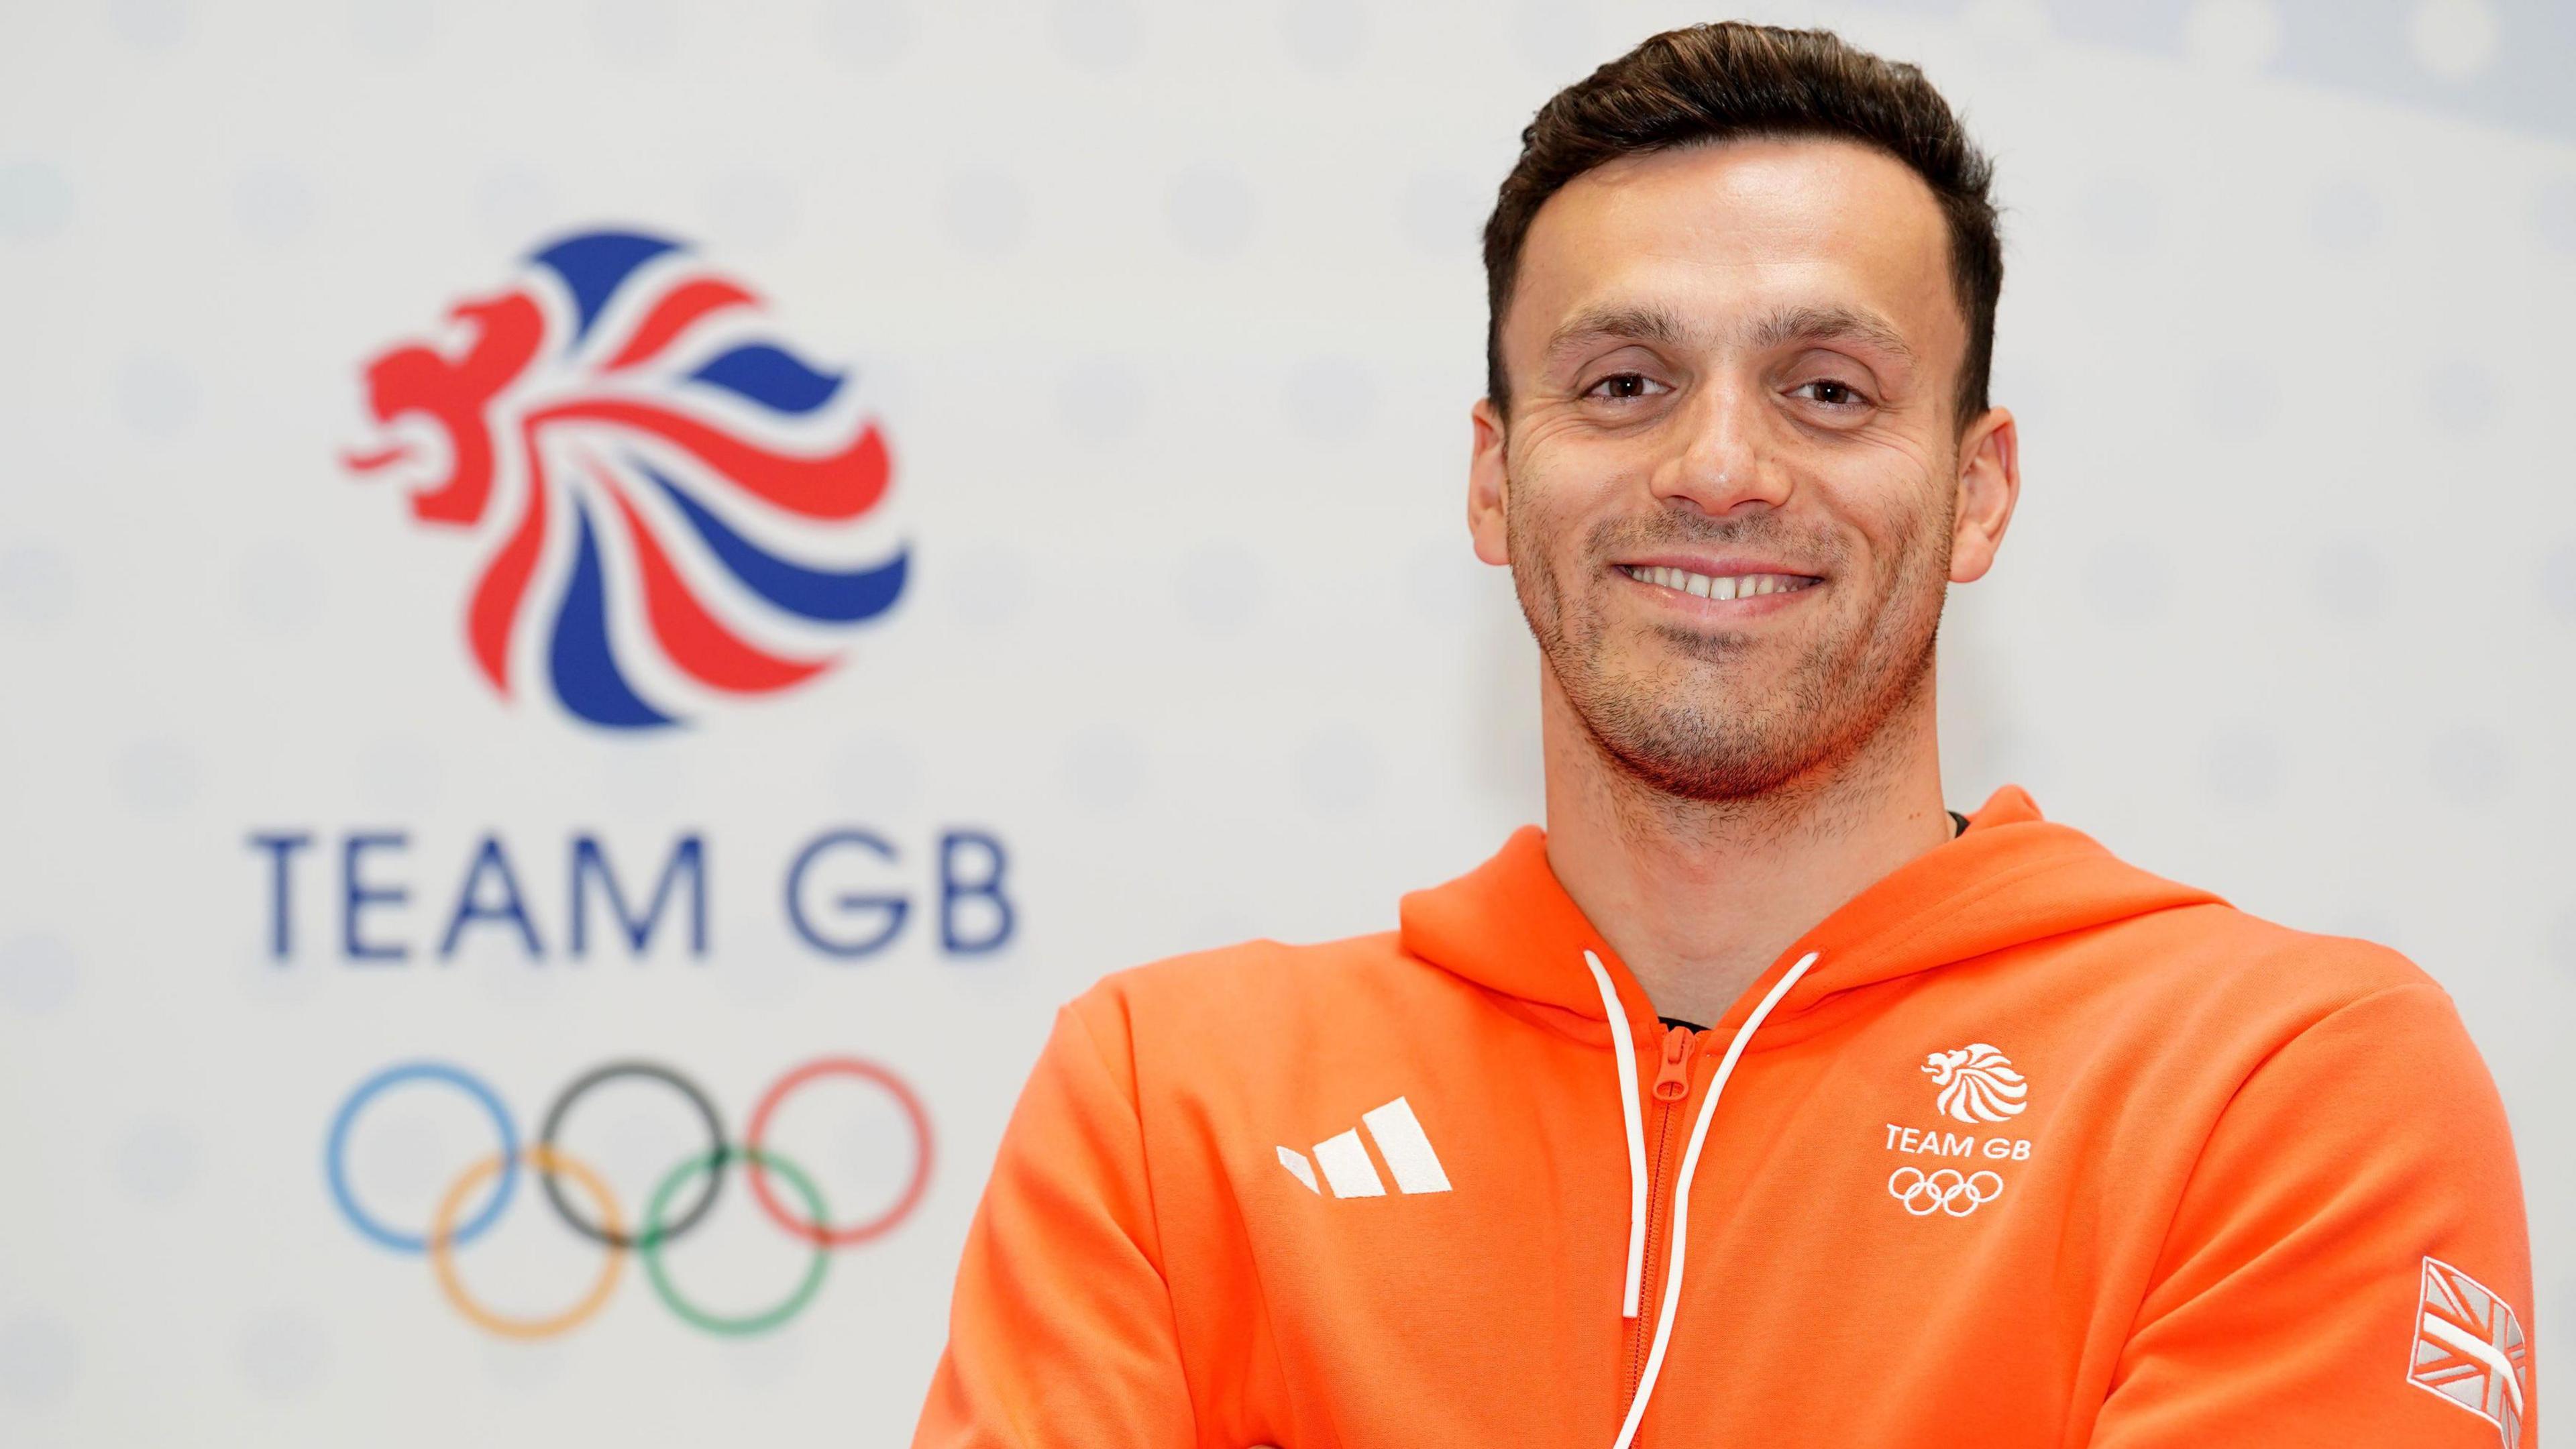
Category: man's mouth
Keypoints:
(1718, 586)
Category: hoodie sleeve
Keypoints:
(2348, 1264)
(1061, 1332)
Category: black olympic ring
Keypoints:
(562, 1108)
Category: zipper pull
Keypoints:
(1673, 1082)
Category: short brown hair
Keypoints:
(1720, 82)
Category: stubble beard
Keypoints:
(1694, 722)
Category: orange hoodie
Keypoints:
(2022, 1146)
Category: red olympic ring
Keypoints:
(758, 1169)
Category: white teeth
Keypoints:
(1706, 586)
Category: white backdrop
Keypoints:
(1172, 315)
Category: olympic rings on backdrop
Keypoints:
(563, 1108)
(813, 1229)
(654, 1239)
(605, 1225)
(1942, 1191)
(335, 1155)
(442, 1257)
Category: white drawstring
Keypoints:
(1679, 1253)
(1626, 1049)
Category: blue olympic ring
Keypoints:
(335, 1162)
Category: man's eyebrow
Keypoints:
(1616, 324)
(1662, 327)
(1829, 324)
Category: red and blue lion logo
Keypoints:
(678, 503)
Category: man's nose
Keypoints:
(1719, 462)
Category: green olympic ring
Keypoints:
(649, 1240)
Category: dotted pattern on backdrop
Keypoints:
(1180, 334)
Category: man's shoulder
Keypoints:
(1264, 998)
(1260, 975)
(2219, 962)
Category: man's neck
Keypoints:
(1700, 897)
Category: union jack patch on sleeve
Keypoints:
(2469, 1348)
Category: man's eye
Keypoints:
(1623, 385)
(1831, 393)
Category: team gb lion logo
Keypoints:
(1978, 1083)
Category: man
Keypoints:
(1758, 1100)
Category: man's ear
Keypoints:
(1989, 486)
(1488, 485)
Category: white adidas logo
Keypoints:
(1347, 1168)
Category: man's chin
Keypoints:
(1707, 769)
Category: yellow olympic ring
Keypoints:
(442, 1256)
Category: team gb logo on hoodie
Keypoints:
(1978, 1084)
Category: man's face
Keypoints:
(1733, 487)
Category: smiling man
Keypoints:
(1758, 1099)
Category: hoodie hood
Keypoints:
(2011, 877)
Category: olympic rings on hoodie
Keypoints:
(664, 1219)
(1944, 1191)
